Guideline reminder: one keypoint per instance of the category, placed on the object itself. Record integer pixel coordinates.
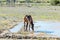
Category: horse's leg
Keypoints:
(26, 26)
(32, 26)
(29, 27)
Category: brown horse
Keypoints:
(28, 22)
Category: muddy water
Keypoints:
(42, 26)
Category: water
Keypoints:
(17, 27)
(48, 26)
(42, 26)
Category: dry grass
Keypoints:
(9, 16)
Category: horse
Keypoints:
(28, 22)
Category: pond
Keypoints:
(42, 26)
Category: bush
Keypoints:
(48, 1)
(38, 1)
(30, 1)
(22, 1)
(55, 2)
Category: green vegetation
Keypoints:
(55, 2)
(44, 2)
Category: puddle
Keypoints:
(41, 26)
